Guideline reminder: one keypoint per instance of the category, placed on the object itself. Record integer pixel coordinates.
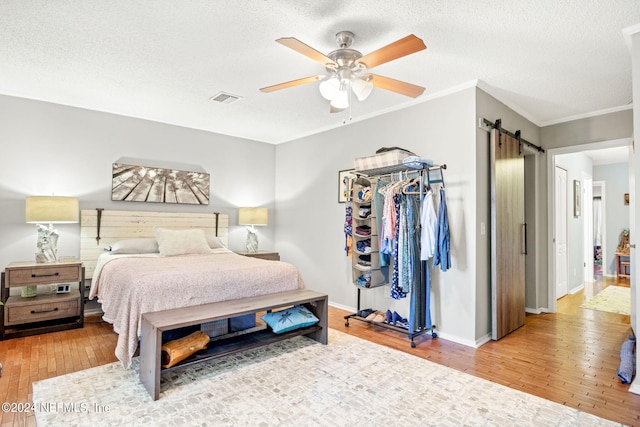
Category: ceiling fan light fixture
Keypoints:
(341, 99)
(346, 69)
(329, 88)
(362, 88)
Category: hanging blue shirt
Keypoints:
(442, 254)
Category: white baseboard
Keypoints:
(538, 310)
(342, 307)
(576, 289)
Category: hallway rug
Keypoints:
(612, 299)
(298, 382)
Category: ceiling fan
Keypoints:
(348, 69)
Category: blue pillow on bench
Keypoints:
(290, 319)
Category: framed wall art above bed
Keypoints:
(148, 184)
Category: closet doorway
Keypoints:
(601, 153)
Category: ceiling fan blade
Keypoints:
(333, 109)
(395, 50)
(292, 83)
(397, 86)
(306, 50)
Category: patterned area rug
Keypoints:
(612, 299)
(298, 382)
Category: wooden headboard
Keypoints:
(113, 225)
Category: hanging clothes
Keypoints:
(428, 222)
(419, 305)
(348, 228)
(442, 253)
(396, 289)
(378, 202)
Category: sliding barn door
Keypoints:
(507, 235)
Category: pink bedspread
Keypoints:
(128, 286)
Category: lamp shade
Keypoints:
(329, 88)
(361, 88)
(51, 209)
(253, 216)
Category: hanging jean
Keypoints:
(427, 295)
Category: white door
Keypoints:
(587, 243)
(562, 272)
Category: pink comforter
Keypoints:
(130, 285)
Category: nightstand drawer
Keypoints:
(43, 275)
(18, 311)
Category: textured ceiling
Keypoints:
(162, 60)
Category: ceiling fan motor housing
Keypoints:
(345, 38)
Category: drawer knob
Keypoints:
(45, 275)
(43, 311)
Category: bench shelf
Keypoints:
(153, 324)
(238, 343)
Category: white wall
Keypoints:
(51, 149)
(616, 178)
(310, 220)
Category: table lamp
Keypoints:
(51, 210)
(252, 217)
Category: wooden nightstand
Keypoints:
(271, 256)
(45, 312)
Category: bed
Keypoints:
(133, 278)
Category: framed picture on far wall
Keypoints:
(576, 198)
(134, 183)
(345, 184)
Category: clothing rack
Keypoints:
(428, 175)
(394, 172)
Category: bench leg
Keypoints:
(150, 358)
(321, 310)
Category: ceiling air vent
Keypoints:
(225, 98)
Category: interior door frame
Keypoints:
(556, 170)
(587, 227)
(551, 203)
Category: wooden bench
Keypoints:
(153, 324)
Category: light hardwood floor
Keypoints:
(570, 357)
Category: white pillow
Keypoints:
(134, 246)
(215, 242)
(181, 242)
